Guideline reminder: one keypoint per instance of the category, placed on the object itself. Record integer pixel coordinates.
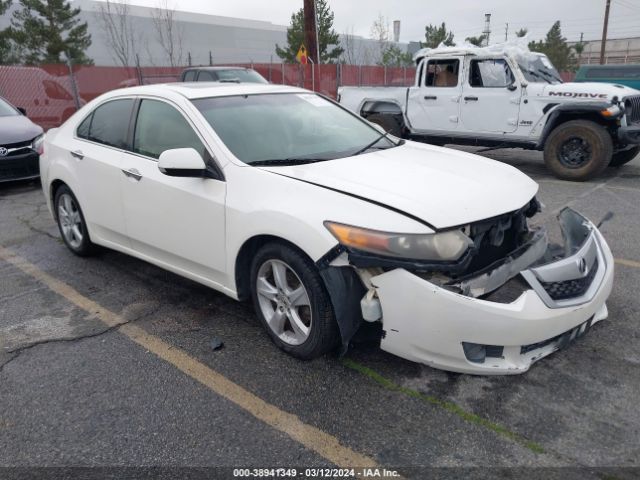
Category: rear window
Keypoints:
(108, 124)
(613, 72)
(241, 75)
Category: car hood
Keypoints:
(593, 91)
(443, 187)
(18, 128)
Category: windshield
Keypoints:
(6, 110)
(288, 128)
(538, 69)
(240, 75)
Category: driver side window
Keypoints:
(490, 73)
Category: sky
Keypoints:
(464, 17)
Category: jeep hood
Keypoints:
(589, 91)
(443, 187)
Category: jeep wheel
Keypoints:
(620, 158)
(388, 122)
(578, 150)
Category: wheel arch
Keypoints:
(567, 112)
(242, 264)
(380, 107)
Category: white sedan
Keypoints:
(281, 196)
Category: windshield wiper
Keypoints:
(550, 75)
(283, 162)
(370, 145)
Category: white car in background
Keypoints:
(279, 195)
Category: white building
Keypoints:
(229, 40)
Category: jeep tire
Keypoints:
(578, 150)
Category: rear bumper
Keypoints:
(425, 323)
(19, 167)
(629, 135)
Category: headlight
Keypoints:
(613, 111)
(38, 144)
(445, 246)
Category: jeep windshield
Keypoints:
(289, 128)
(537, 68)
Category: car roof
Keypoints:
(217, 68)
(207, 89)
(630, 66)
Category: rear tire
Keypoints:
(620, 158)
(302, 324)
(389, 122)
(71, 223)
(578, 150)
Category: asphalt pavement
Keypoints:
(108, 362)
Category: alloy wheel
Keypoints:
(284, 302)
(70, 220)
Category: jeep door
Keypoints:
(433, 103)
(491, 98)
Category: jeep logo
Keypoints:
(578, 95)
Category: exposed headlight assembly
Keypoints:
(442, 247)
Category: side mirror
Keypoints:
(182, 162)
(512, 87)
(22, 110)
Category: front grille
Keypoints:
(634, 103)
(571, 288)
(14, 169)
(17, 145)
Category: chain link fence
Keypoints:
(50, 94)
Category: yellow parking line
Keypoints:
(627, 263)
(311, 437)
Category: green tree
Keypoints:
(579, 49)
(327, 36)
(8, 49)
(48, 30)
(435, 35)
(392, 56)
(477, 41)
(522, 32)
(556, 48)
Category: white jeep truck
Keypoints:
(506, 96)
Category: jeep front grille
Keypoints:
(632, 105)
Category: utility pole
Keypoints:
(310, 28)
(506, 32)
(603, 46)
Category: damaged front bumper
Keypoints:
(562, 295)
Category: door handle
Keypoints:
(471, 99)
(430, 97)
(77, 154)
(133, 173)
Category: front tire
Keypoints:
(71, 223)
(620, 158)
(292, 303)
(578, 150)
